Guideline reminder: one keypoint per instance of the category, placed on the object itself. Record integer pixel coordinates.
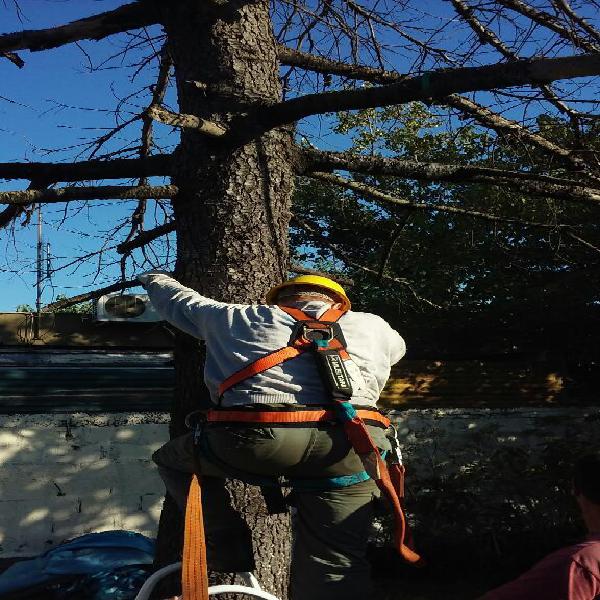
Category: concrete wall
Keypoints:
(474, 474)
(65, 475)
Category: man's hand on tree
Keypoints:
(143, 278)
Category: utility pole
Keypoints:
(38, 297)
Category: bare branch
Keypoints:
(486, 35)
(527, 183)
(377, 194)
(566, 8)
(122, 168)
(145, 237)
(582, 241)
(432, 85)
(115, 287)
(107, 192)
(551, 22)
(313, 229)
(478, 112)
(162, 115)
(129, 16)
(499, 123)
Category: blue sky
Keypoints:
(56, 102)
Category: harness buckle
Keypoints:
(318, 334)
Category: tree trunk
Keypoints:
(232, 211)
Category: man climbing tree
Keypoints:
(245, 73)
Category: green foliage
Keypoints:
(454, 266)
(84, 308)
(25, 308)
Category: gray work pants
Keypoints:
(332, 526)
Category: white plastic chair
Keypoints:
(252, 587)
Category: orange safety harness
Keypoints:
(324, 338)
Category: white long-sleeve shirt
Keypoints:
(238, 334)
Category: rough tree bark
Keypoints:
(232, 210)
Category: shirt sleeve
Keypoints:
(397, 345)
(583, 585)
(557, 577)
(183, 307)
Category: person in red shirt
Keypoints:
(571, 573)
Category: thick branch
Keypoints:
(130, 16)
(310, 62)
(478, 112)
(162, 115)
(432, 85)
(10, 213)
(120, 168)
(376, 194)
(106, 192)
(527, 183)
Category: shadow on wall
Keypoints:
(489, 490)
(65, 475)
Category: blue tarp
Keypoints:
(108, 556)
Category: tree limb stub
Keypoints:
(526, 183)
(107, 192)
(433, 85)
(376, 194)
(119, 168)
(14, 58)
(145, 237)
(162, 115)
(93, 295)
(124, 18)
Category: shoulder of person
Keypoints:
(370, 318)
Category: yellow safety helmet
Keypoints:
(313, 280)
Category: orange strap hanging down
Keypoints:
(194, 576)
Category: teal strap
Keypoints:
(344, 410)
(326, 483)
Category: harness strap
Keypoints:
(296, 416)
(284, 354)
(194, 576)
(375, 466)
(258, 366)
